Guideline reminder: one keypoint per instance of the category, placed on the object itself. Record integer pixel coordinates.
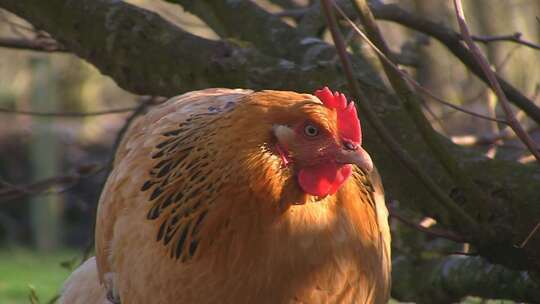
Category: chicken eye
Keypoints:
(311, 130)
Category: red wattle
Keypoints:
(324, 179)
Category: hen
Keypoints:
(235, 196)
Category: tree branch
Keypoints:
(439, 233)
(287, 4)
(66, 114)
(449, 279)
(452, 41)
(266, 31)
(387, 61)
(388, 139)
(10, 192)
(312, 23)
(490, 75)
(515, 38)
(32, 45)
(114, 35)
(477, 200)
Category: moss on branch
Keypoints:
(245, 20)
(146, 54)
(449, 279)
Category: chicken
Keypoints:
(235, 196)
(83, 286)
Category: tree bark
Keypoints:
(449, 279)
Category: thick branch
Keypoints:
(449, 279)
(264, 30)
(146, 54)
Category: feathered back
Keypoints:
(198, 201)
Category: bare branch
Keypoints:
(477, 199)
(387, 137)
(452, 41)
(32, 45)
(410, 79)
(12, 192)
(139, 110)
(439, 233)
(487, 139)
(494, 83)
(533, 232)
(66, 114)
(515, 37)
(312, 22)
(428, 93)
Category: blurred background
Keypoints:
(52, 167)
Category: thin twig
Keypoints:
(10, 192)
(412, 104)
(524, 243)
(411, 80)
(510, 118)
(139, 110)
(7, 185)
(515, 37)
(444, 102)
(385, 134)
(67, 114)
(293, 13)
(41, 45)
(451, 39)
(499, 67)
(449, 235)
(472, 254)
(435, 118)
(488, 139)
(45, 185)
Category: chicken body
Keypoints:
(200, 208)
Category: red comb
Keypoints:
(348, 123)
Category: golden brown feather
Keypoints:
(200, 209)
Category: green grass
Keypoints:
(20, 269)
